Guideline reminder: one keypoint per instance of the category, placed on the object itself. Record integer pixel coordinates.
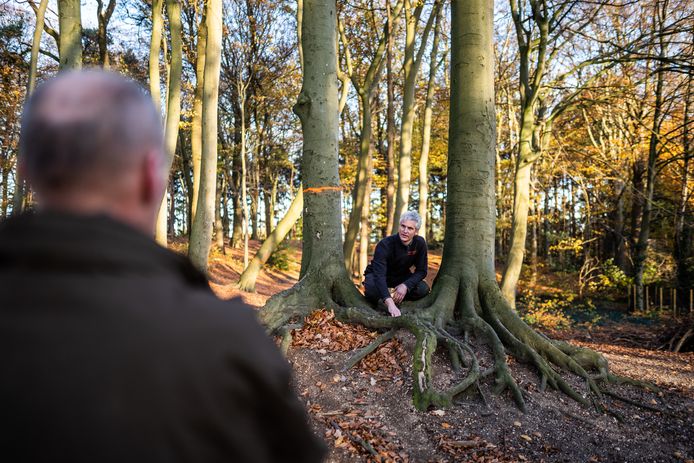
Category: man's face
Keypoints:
(408, 230)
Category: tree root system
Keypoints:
(457, 308)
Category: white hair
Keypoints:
(413, 216)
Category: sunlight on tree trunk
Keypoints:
(196, 118)
(70, 24)
(426, 128)
(173, 105)
(201, 234)
(250, 274)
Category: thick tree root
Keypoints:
(363, 352)
(466, 303)
(285, 332)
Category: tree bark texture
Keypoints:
(173, 104)
(154, 51)
(196, 119)
(70, 24)
(426, 127)
(201, 234)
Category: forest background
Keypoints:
(593, 169)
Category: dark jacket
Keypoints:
(393, 260)
(114, 349)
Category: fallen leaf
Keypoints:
(445, 425)
(517, 424)
(526, 438)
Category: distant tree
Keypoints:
(103, 16)
(70, 25)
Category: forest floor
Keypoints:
(366, 413)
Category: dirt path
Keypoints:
(366, 413)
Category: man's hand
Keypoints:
(392, 308)
(399, 293)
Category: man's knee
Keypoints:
(370, 290)
(419, 291)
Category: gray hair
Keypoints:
(413, 216)
(85, 123)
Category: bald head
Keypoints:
(86, 137)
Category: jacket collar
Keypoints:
(86, 244)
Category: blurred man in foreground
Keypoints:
(114, 349)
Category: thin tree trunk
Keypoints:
(237, 232)
(299, 23)
(365, 226)
(70, 24)
(426, 129)
(173, 104)
(273, 240)
(644, 232)
(201, 234)
(36, 45)
(196, 118)
(255, 196)
(683, 231)
(365, 91)
(218, 223)
(519, 226)
(270, 198)
(244, 200)
(411, 69)
(103, 18)
(530, 86)
(5, 193)
(172, 209)
(390, 125)
(20, 189)
(154, 50)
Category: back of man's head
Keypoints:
(91, 142)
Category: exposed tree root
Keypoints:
(361, 353)
(464, 304)
(636, 403)
(285, 332)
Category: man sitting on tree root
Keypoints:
(392, 264)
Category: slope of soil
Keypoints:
(366, 413)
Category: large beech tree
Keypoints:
(465, 295)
